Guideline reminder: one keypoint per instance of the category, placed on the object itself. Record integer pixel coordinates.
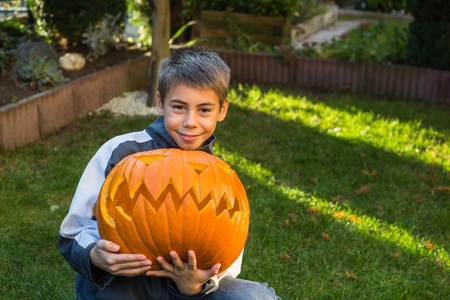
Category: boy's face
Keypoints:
(191, 115)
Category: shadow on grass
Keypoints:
(293, 256)
(402, 192)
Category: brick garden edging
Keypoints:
(27, 120)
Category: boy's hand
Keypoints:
(104, 255)
(188, 278)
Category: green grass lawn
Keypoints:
(349, 196)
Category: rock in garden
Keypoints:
(72, 61)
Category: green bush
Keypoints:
(429, 35)
(367, 43)
(12, 33)
(274, 8)
(56, 18)
(381, 5)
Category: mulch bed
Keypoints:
(12, 91)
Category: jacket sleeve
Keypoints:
(79, 232)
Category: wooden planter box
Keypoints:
(264, 29)
(27, 120)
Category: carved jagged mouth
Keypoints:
(122, 199)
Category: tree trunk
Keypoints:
(160, 44)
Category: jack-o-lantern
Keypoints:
(157, 201)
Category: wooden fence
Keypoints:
(377, 79)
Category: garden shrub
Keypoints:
(12, 33)
(56, 18)
(429, 34)
(273, 8)
(381, 5)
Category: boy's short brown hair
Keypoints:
(194, 67)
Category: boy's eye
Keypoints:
(205, 110)
(178, 107)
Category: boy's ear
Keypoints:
(159, 104)
(223, 110)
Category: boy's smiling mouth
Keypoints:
(188, 137)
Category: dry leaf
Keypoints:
(248, 187)
(397, 255)
(337, 199)
(284, 256)
(351, 275)
(362, 190)
(430, 246)
(339, 215)
(312, 210)
(312, 219)
(419, 197)
(293, 217)
(326, 236)
(374, 173)
(365, 172)
(353, 218)
(286, 223)
(363, 155)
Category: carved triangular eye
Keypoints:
(149, 159)
(199, 168)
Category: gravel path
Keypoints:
(129, 104)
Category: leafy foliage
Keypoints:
(12, 33)
(381, 5)
(41, 73)
(429, 34)
(56, 19)
(102, 36)
(368, 43)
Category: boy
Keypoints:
(191, 99)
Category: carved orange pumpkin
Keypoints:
(169, 199)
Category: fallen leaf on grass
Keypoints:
(293, 217)
(430, 246)
(326, 236)
(339, 215)
(373, 173)
(1, 170)
(312, 210)
(285, 223)
(353, 218)
(284, 256)
(351, 275)
(363, 155)
(312, 219)
(419, 197)
(440, 188)
(337, 199)
(397, 255)
(362, 190)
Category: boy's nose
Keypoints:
(190, 120)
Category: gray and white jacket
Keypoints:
(79, 232)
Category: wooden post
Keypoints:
(160, 44)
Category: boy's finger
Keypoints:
(192, 260)
(164, 264)
(177, 262)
